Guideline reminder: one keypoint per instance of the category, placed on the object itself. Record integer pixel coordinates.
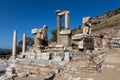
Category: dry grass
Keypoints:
(108, 23)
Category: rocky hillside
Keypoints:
(109, 19)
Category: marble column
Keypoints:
(67, 20)
(58, 27)
(24, 44)
(45, 32)
(14, 44)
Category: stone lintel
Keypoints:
(62, 13)
(65, 32)
(35, 31)
(57, 11)
(77, 37)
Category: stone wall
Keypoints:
(32, 66)
(64, 40)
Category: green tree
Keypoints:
(54, 35)
(29, 43)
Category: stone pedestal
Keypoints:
(67, 57)
(81, 44)
(9, 71)
(64, 40)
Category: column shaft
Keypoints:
(67, 20)
(58, 27)
(14, 44)
(24, 44)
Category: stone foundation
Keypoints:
(64, 40)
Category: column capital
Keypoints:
(57, 11)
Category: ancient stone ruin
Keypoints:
(63, 35)
(71, 54)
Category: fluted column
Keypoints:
(24, 44)
(14, 44)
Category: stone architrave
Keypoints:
(14, 44)
(24, 44)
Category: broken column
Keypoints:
(40, 36)
(36, 34)
(14, 44)
(24, 44)
(45, 35)
(86, 26)
(45, 30)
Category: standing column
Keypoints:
(67, 20)
(58, 27)
(24, 44)
(58, 24)
(14, 44)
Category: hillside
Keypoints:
(108, 20)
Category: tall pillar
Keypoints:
(24, 44)
(14, 44)
(58, 27)
(67, 20)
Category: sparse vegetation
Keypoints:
(109, 19)
(29, 43)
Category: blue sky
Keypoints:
(23, 15)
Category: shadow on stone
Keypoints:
(2, 72)
(50, 78)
